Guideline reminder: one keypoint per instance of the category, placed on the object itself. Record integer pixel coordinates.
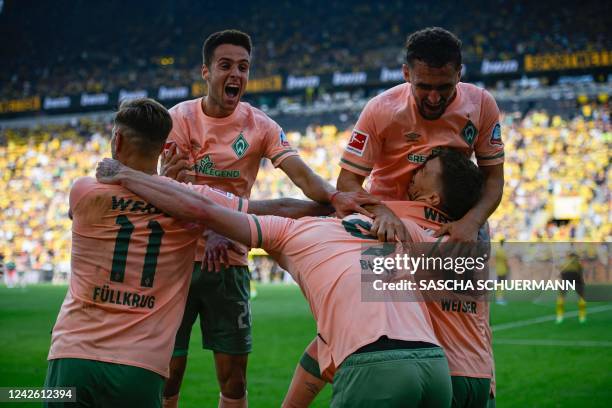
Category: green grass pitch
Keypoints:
(538, 365)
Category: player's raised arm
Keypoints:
(317, 189)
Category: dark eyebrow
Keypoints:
(224, 59)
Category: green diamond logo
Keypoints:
(469, 132)
(240, 145)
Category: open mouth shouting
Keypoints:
(232, 92)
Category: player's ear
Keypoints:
(119, 139)
(406, 72)
(205, 72)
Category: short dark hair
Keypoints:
(234, 37)
(462, 182)
(434, 46)
(145, 121)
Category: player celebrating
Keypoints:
(131, 268)
(222, 141)
(401, 127)
(376, 352)
(394, 135)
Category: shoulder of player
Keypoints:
(88, 189)
(384, 107)
(390, 96)
(475, 93)
(185, 110)
(84, 185)
(258, 116)
(184, 107)
(84, 182)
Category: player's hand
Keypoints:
(108, 171)
(347, 203)
(174, 163)
(216, 252)
(462, 238)
(387, 226)
(464, 230)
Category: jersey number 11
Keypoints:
(122, 243)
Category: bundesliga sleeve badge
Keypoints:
(358, 143)
(283, 139)
(496, 138)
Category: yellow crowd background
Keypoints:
(546, 157)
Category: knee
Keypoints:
(233, 385)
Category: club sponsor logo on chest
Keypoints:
(421, 158)
(206, 167)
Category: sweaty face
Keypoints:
(433, 88)
(227, 76)
(427, 182)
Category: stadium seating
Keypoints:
(159, 43)
(546, 157)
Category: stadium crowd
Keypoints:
(160, 43)
(546, 157)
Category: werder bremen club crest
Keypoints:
(469, 132)
(240, 146)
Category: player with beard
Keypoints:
(219, 141)
(399, 129)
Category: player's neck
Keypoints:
(146, 166)
(214, 110)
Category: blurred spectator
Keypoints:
(546, 156)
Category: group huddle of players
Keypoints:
(148, 249)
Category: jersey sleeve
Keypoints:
(222, 198)
(179, 135)
(277, 146)
(365, 144)
(270, 232)
(489, 147)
